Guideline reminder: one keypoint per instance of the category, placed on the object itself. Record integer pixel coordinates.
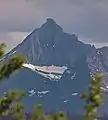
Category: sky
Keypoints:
(88, 19)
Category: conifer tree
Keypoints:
(59, 116)
(17, 112)
(38, 113)
(95, 98)
(6, 69)
(48, 117)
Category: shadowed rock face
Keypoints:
(49, 45)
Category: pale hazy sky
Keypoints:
(87, 18)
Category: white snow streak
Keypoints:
(51, 70)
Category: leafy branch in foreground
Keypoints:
(11, 66)
(6, 69)
(95, 98)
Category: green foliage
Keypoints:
(55, 116)
(11, 66)
(17, 112)
(95, 97)
(61, 115)
(12, 97)
(38, 113)
(48, 117)
(2, 47)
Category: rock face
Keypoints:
(47, 46)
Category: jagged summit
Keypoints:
(51, 26)
(49, 45)
(50, 20)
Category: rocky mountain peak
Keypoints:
(51, 26)
(49, 45)
(50, 21)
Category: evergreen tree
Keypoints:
(6, 69)
(17, 112)
(10, 100)
(95, 97)
(48, 117)
(38, 113)
(59, 116)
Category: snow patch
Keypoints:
(72, 77)
(43, 92)
(65, 101)
(51, 72)
(32, 92)
(50, 69)
(104, 89)
(30, 66)
(68, 71)
(50, 76)
(74, 94)
(98, 52)
(39, 93)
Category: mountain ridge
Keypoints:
(47, 46)
(41, 29)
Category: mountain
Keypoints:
(49, 45)
(58, 69)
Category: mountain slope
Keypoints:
(47, 46)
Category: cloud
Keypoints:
(87, 18)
